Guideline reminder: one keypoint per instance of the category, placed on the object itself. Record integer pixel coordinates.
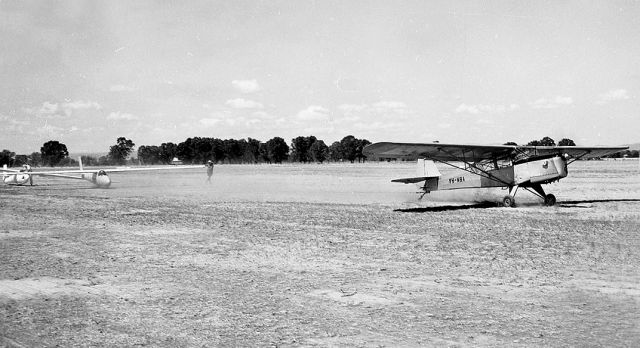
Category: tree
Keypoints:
(511, 143)
(167, 152)
(319, 151)
(566, 142)
(68, 162)
(264, 153)
(300, 148)
(149, 154)
(20, 160)
(89, 161)
(534, 143)
(234, 149)
(252, 151)
(7, 157)
(186, 150)
(203, 150)
(361, 143)
(335, 151)
(277, 150)
(53, 152)
(104, 161)
(36, 159)
(349, 145)
(546, 141)
(218, 150)
(119, 152)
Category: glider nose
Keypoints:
(103, 181)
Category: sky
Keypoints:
(481, 72)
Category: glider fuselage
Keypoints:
(15, 179)
(100, 178)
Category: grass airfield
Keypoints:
(319, 255)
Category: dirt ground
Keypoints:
(311, 255)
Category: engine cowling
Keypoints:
(541, 171)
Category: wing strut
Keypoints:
(579, 157)
(483, 173)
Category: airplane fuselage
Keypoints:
(99, 179)
(520, 174)
(16, 179)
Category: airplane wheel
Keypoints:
(508, 201)
(550, 200)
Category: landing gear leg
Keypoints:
(549, 199)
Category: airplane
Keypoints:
(98, 177)
(484, 166)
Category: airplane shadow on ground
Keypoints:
(485, 205)
(482, 205)
(571, 204)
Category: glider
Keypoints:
(483, 166)
(99, 177)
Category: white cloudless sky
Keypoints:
(87, 72)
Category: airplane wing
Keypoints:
(440, 152)
(476, 153)
(112, 170)
(62, 176)
(576, 152)
(129, 169)
(9, 170)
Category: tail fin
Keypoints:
(425, 170)
(80, 161)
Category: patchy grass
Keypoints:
(185, 266)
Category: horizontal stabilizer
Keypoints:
(411, 180)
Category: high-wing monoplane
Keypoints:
(483, 166)
(98, 177)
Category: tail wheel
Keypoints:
(508, 201)
(549, 200)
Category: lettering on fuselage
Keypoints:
(457, 179)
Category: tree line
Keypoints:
(302, 149)
(547, 141)
(197, 150)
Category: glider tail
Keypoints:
(80, 162)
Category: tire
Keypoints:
(508, 201)
(549, 200)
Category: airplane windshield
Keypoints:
(101, 173)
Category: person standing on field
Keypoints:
(27, 169)
(209, 170)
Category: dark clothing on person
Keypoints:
(209, 171)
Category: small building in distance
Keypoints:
(176, 161)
